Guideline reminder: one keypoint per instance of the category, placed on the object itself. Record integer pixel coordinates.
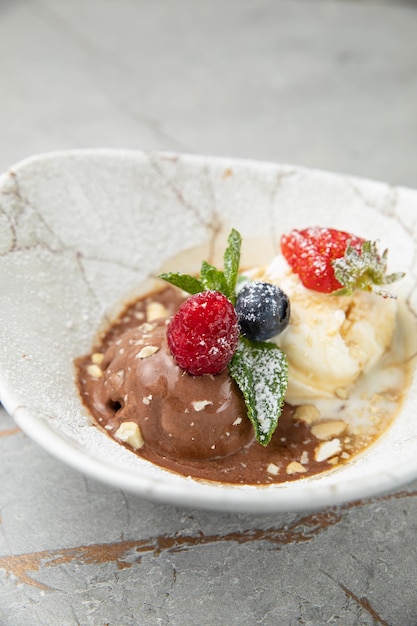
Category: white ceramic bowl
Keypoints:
(80, 230)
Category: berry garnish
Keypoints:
(310, 253)
(263, 310)
(334, 261)
(203, 337)
(204, 333)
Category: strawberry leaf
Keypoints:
(364, 269)
(260, 370)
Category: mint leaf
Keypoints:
(231, 261)
(212, 278)
(186, 282)
(260, 370)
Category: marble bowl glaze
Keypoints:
(81, 230)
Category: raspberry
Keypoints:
(203, 334)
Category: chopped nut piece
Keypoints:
(146, 352)
(307, 413)
(97, 358)
(199, 405)
(327, 449)
(130, 433)
(147, 399)
(146, 327)
(328, 430)
(342, 393)
(155, 310)
(272, 469)
(94, 371)
(295, 468)
(334, 460)
(304, 458)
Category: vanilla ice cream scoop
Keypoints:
(330, 340)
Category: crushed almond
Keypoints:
(295, 468)
(329, 429)
(273, 469)
(155, 310)
(307, 413)
(130, 433)
(97, 358)
(199, 405)
(94, 371)
(146, 352)
(334, 460)
(327, 449)
(342, 393)
(146, 327)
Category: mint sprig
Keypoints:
(364, 269)
(210, 277)
(260, 369)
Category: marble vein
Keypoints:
(156, 163)
(126, 553)
(364, 603)
(52, 242)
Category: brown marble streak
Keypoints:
(9, 431)
(365, 604)
(126, 553)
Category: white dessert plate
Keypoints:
(81, 230)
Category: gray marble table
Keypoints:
(321, 83)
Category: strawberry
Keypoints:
(334, 261)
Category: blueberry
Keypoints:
(263, 310)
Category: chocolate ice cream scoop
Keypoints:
(182, 416)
